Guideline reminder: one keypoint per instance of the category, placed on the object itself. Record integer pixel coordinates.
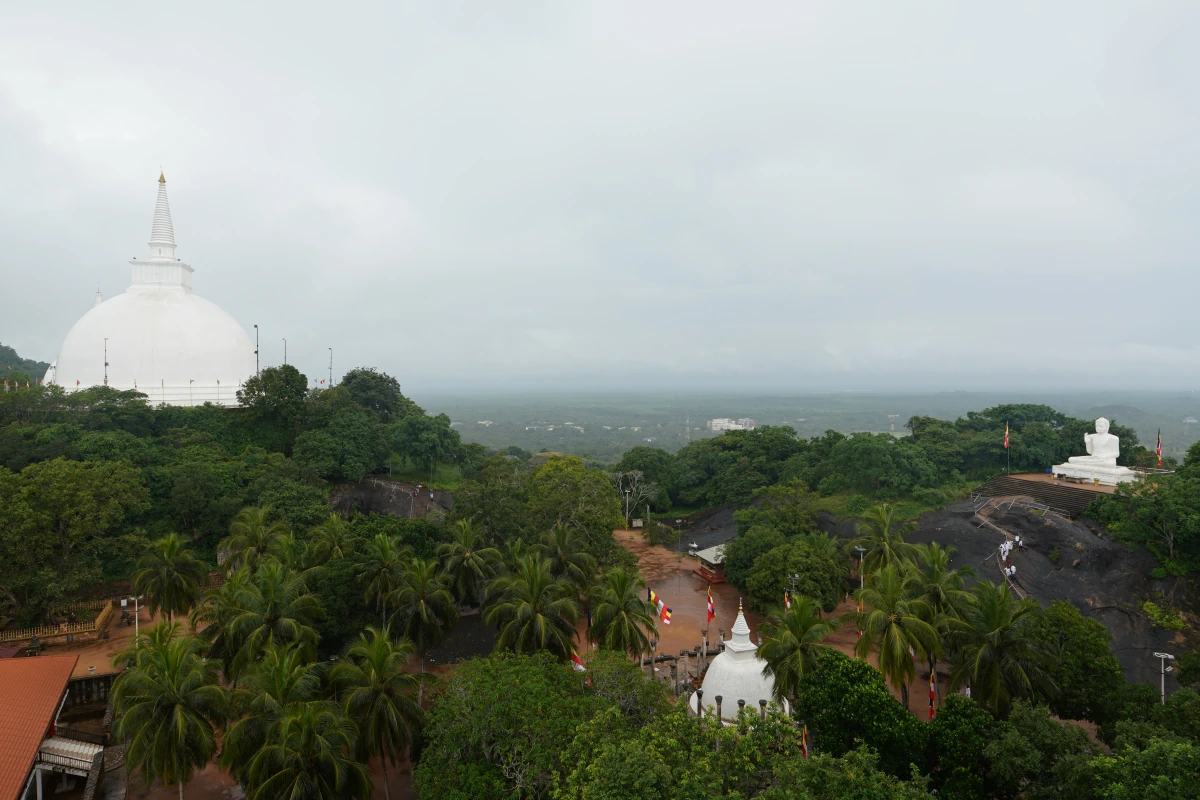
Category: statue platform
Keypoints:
(1089, 473)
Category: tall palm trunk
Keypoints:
(904, 695)
(387, 790)
(421, 688)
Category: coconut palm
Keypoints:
(281, 678)
(467, 560)
(791, 640)
(170, 574)
(250, 536)
(563, 548)
(881, 534)
(310, 757)
(214, 613)
(941, 587)
(536, 612)
(166, 706)
(379, 696)
(894, 622)
(621, 618)
(333, 538)
(996, 650)
(151, 640)
(288, 552)
(425, 608)
(274, 607)
(380, 567)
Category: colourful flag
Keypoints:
(931, 692)
(1006, 436)
(712, 611)
(666, 615)
(578, 665)
(658, 603)
(804, 741)
(787, 600)
(1158, 450)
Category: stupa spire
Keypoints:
(162, 232)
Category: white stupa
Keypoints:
(736, 674)
(158, 337)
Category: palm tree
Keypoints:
(281, 679)
(381, 566)
(170, 574)
(563, 547)
(166, 706)
(275, 607)
(309, 757)
(379, 696)
(333, 538)
(882, 536)
(288, 552)
(536, 612)
(941, 588)
(424, 607)
(894, 622)
(792, 638)
(468, 562)
(216, 610)
(151, 640)
(621, 618)
(996, 650)
(250, 537)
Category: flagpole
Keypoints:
(1007, 450)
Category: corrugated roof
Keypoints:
(30, 691)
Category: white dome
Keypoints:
(162, 339)
(736, 674)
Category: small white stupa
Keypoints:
(736, 674)
(158, 337)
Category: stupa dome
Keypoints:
(160, 337)
(736, 674)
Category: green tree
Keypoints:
(657, 466)
(881, 535)
(310, 757)
(940, 586)
(791, 640)
(535, 612)
(381, 566)
(378, 691)
(428, 441)
(564, 493)
(787, 507)
(275, 399)
(621, 619)
(743, 552)
(958, 734)
(997, 650)
(332, 539)
(171, 575)
(467, 560)
(564, 548)
(1088, 675)
(251, 536)
(272, 606)
(801, 568)
(379, 393)
(424, 606)
(893, 623)
(166, 706)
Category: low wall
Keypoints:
(64, 631)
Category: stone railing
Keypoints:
(104, 607)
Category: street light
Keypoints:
(255, 349)
(861, 550)
(1163, 658)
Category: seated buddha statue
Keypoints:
(1103, 448)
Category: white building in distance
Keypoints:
(158, 337)
(723, 424)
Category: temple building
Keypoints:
(736, 674)
(158, 337)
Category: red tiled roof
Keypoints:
(30, 691)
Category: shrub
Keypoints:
(1163, 617)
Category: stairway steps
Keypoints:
(1069, 499)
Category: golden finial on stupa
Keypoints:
(161, 178)
(739, 605)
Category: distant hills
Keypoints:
(11, 363)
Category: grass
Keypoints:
(446, 477)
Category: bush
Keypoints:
(1166, 617)
(857, 504)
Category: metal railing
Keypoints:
(80, 736)
(63, 627)
(83, 765)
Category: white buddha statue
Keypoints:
(1103, 448)
(1100, 464)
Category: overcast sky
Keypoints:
(559, 196)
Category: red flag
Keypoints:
(804, 742)
(787, 600)
(931, 693)
(578, 665)
(712, 611)
(659, 605)
(1158, 450)
(1006, 436)
(666, 615)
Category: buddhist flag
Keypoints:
(1006, 436)
(578, 665)
(804, 741)
(931, 692)
(787, 600)
(666, 615)
(1158, 450)
(712, 611)
(658, 603)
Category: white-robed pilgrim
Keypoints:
(736, 674)
(160, 337)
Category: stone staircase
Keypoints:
(1069, 501)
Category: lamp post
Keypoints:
(135, 620)
(106, 361)
(285, 351)
(627, 492)
(255, 349)
(1163, 658)
(331, 368)
(861, 550)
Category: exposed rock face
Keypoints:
(378, 495)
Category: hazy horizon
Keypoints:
(786, 198)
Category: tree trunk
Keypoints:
(937, 687)
(181, 790)
(421, 688)
(387, 790)
(904, 694)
